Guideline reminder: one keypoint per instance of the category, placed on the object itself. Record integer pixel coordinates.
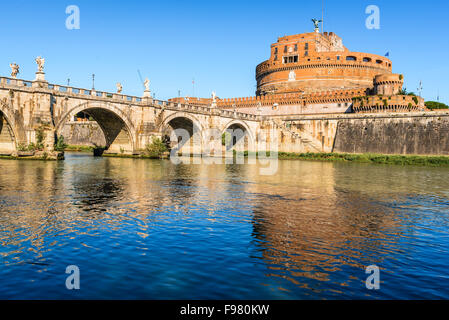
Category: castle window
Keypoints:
(338, 57)
(285, 49)
(276, 50)
(296, 47)
(291, 59)
(306, 54)
(366, 59)
(351, 58)
(276, 57)
(306, 47)
(379, 61)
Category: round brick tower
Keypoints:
(388, 84)
(312, 62)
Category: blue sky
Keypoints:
(218, 43)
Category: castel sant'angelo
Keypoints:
(314, 73)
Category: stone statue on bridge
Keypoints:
(40, 64)
(15, 69)
(147, 84)
(147, 93)
(214, 99)
(119, 87)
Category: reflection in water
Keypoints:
(150, 229)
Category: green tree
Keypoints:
(433, 105)
(156, 148)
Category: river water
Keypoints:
(148, 229)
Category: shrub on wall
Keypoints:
(40, 136)
(60, 144)
(226, 139)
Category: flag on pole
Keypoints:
(387, 54)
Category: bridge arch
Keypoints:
(119, 132)
(249, 141)
(188, 122)
(9, 134)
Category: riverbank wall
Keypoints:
(420, 133)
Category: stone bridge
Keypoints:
(32, 111)
(29, 109)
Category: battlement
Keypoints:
(393, 103)
(338, 96)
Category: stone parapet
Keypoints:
(380, 103)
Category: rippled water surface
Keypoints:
(143, 229)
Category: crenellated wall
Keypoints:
(324, 102)
(395, 103)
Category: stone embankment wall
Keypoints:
(422, 135)
(83, 134)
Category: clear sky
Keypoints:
(217, 43)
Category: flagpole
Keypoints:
(322, 18)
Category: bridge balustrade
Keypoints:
(6, 81)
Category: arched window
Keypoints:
(351, 58)
(366, 59)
